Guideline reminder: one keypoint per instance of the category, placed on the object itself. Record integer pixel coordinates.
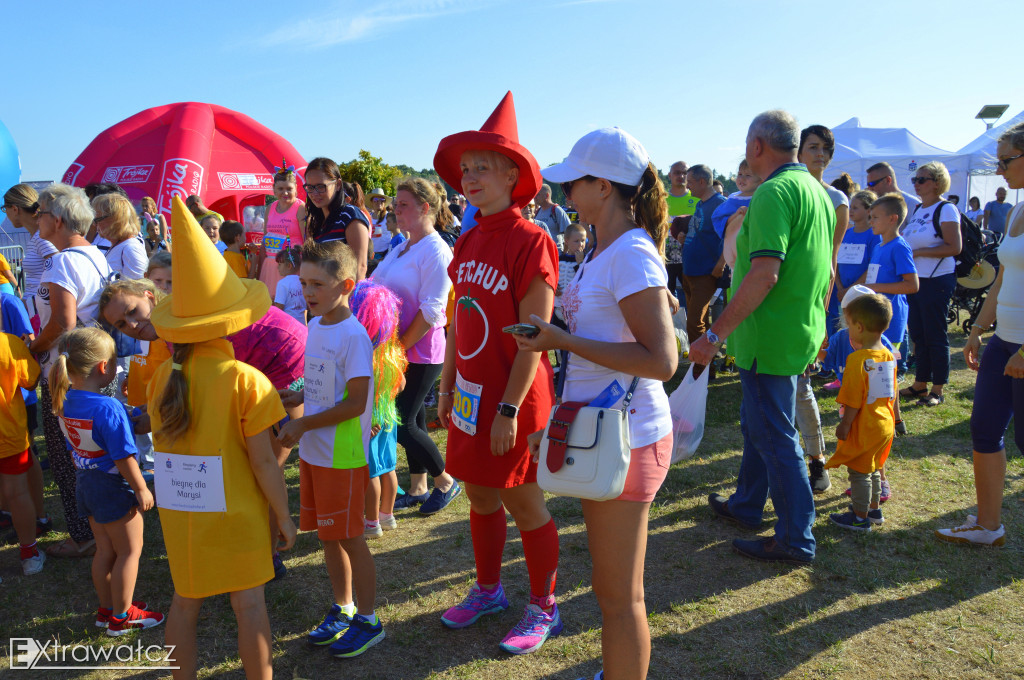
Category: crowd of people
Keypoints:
(145, 346)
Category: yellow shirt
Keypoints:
(870, 375)
(17, 369)
(237, 263)
(219, 552)
(681, 205)
(141, 370)
(4, 267)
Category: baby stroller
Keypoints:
(971, 290)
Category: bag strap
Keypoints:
(558, 432)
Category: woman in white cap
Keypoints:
(617, 311)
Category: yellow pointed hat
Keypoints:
(209, 300)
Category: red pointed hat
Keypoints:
(500, 133)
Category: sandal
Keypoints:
(932, 399)
(68, 548)
(912, 393)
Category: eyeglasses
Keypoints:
(3, 208)
(879, 181)
(40, 213)
(1004, 163)
(315, 188)
(921, 180)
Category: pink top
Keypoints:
(275, 345)
(286, 222)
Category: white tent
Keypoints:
(981, 163)
(858, 148)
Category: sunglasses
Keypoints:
(39, 213)
(878, 181)
(567, 186)
(921, 180)
(100, 218)
(1004, 163)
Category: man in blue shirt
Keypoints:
(996, 212)
(703, 261)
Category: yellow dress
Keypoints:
(219, 552)
(869, 384)
(141, 370)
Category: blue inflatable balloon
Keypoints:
(10, 163)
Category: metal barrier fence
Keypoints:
(15, 255)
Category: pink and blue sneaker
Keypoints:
(478, 603)
(533, 629)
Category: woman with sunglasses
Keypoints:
(934, 253)
(117, 222)
(999, 392)
(330, 217)
(617, 310)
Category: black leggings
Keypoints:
(62, 467)
(420, 450)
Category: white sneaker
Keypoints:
(973, 533)
(33, 565)
(372, 529)
(388, 523)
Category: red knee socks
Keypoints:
(540, 547)
(488, 532)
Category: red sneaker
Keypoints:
(136, 618)
(103, 614)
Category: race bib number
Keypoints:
(872, 275)
(881, 380)
(466, 404)
(275, 243)
(189, 483)
(851, 253)
(319, 379)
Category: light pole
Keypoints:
(990, 113)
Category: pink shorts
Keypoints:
(648, 467)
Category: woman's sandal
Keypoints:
(68, 548)
(932, 399)
(913, 393)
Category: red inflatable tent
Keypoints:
(224, 156)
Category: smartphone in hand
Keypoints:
(527, 329)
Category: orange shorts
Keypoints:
(18, 464)
(332, 501)
(648, 467)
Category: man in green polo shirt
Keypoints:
(775, 321)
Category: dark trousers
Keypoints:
(63, 469)
(699, 290)
(420, 450)
(927, 323)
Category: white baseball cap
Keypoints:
(609, 153)
(853, 293)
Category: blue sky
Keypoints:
(395, 76)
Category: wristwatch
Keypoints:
(713, 339)
(508, 410)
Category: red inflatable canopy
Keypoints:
(224, 156)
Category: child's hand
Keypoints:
(374, 430)
(285, 538)
(533, 444)
(292, 432)
(145, 499)
(291, 399)
(444, 409)
(842, 431)
(141, 424)
(124, 388)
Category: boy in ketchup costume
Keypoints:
(492, 394)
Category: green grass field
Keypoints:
(896, 603)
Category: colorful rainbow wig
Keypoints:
(377, 308)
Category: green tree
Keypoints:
(371, 172)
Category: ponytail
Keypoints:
(650, 208)
(175, 415)
(81, 350)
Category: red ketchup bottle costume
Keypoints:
(494, 265)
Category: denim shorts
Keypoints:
(104, 496)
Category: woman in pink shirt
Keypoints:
(417, 271)
(286, 217)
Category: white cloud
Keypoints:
(352, 21)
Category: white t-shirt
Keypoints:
(83, 273)
(919, 232)
(1010, 303)
(289, 296)
(837, 197)
(628, 265)
(336, 354)
(912, 202)
(128, 258)
(381, 236)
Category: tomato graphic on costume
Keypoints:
(494, 265)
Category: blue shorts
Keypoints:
(998, 398)
(104, 496)
(383, 455)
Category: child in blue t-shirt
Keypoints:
(859, 242)
(892, 271)
(397, 237)
(109, 488)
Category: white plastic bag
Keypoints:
(679, 327)
(688, 406)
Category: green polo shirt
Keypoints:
(681, 205)
(791, 218)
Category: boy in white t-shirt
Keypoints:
(333, 437)
(568, 260)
